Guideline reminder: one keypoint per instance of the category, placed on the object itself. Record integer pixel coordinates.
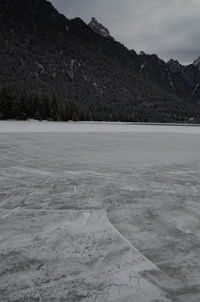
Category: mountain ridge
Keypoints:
(48, 55)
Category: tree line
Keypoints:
(23, 105)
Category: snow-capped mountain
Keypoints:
(98, 28)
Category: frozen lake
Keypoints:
(99, 212)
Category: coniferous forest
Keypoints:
(20, 105)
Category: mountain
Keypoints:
(55, 68)
(98, 28)
(196, 63)
(183, 81)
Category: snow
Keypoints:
(142, 67)
(45, 126)
(99, 212)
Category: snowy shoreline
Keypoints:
(33, 126)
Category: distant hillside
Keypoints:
(55, 68)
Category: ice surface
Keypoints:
(71, 255)
(89, 213)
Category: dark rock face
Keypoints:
(196, 63)
(174, 66)
(99, 29)
(45, 53)
(172, 76)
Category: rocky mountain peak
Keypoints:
(142, 53)
(174, 66)
(196, 63)
(99, 29)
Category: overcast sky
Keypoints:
(169, 28)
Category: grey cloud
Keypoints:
(168, 28)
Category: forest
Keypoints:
(23, 105)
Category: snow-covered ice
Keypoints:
(99, 212)
(33, 126)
